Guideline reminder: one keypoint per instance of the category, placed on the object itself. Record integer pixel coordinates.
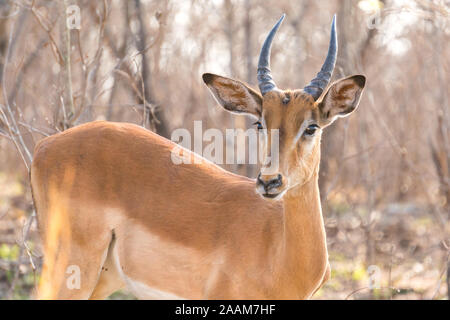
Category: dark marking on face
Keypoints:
(287, 98)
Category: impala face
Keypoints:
(298, 115)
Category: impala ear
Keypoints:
(342, 98)
(234, 95)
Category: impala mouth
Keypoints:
(270, 195)
(273, 196)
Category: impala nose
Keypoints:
(269, 184)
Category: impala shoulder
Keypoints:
(42, 147)
(65, 138)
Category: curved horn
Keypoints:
(320, 82)
(265, 80)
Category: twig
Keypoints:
(67, 65)
(88, 68)
(54, 46)
(34, 129)
(5, 135)
(25, 231)
(390, 268)
(11, 123)
(441, 276)
(367, 288)
(4, 214)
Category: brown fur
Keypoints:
(106, 191)
(216, 237)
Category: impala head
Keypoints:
(298, 115)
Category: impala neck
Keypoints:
(304, 234)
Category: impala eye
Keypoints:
(258, 125)
(311, 130)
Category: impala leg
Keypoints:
(325, 278)
(110, 280)
(72, 263)
(72, 275)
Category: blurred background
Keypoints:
(385, 171)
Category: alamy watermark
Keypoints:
(234, 142)
(73, 281)
(374, 273)
(73, 17)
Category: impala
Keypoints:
(113, 208)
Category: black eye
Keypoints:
(258, 125)
(311, 130)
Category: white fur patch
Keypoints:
(139, 289)
(142, 291)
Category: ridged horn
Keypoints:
(265, 81)
(320, 82)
